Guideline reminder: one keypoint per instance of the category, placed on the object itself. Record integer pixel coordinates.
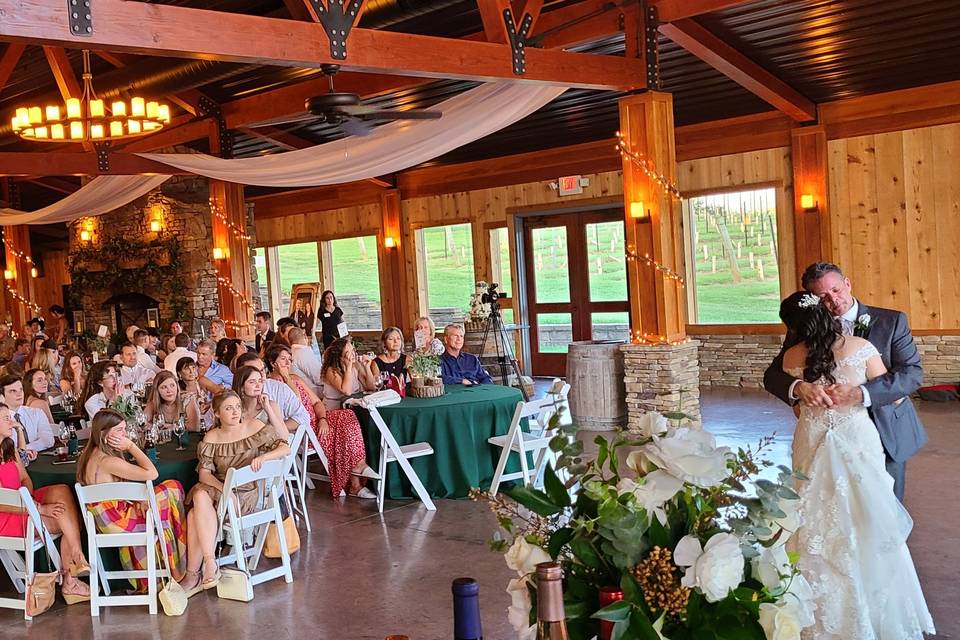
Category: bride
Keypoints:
(852, 540)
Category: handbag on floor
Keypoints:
(172, 597)
(42, 587)
(234, 584)
(271, 547)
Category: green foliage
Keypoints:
(424, 365)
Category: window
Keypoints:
(263, 286)
(500, 270)
(296, 263)
(356, 281)
(732, 252)
(445, 268)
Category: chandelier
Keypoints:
(86, 118)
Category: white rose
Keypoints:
(770, 565)
(864, 319)
(691, 455)
(653, 423)
(779, 621)
(518, 613)
(640, 463)
(716, 569)
(657, 488)
(524, 557)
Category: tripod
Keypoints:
(506, 361)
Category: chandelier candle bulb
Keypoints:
(119, 108)
(137, 107)
(53, 113)
(96, 109)
(57, 132)
(76, 131)
(116, 129)
(40, 132)
(23, 115)
(153, 109)
(164, 113)
(73, 108)
(36, 115)
(96, 131)
(133, 126)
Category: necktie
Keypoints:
(22, 430)
(847, 326)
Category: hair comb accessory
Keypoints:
(809, 300)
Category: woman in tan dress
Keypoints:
(232, 443)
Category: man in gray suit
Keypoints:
(887, 398)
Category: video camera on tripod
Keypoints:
(492, 296)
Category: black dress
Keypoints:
(328, 324)
(396, 368)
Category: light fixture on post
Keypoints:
(85, 118)
(156, 225)
(808, 203)
(33, 272)
(389, 242)
(639, 211)
(8, 274)
(220, 253)
(85, 235)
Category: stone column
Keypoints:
(661, 378)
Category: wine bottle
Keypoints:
(466, 610)
(551, 621)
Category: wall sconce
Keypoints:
(639, 212)
(8, 274)
(389, 242)
(807, 202)
(219, 253)
(85, 235)
(156, 225)
(33, 272)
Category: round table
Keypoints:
(172, 464)
(457, 425)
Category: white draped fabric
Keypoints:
(389, 148)
(99, 196)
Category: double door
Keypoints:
(576, 284)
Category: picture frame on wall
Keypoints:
(79, 322)
(153, 318)
(304, 297)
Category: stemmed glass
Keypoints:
(180, 428)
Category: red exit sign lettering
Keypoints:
(570, 185)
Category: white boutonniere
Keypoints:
(862, 327)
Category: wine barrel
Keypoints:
(597, 393)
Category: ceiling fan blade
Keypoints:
(292, 119)
(356, 127)
(399, 115)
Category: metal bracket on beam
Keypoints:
(518, 40)
(81, 17)
(652, 47)
(13, 194)
(208, 107)
(337, 21)
(103, 156)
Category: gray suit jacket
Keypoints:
(900, 429)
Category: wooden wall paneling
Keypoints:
(893, 270)
(861, 180)
(839, 186)
(49, 288)
(18, 236)
(809, 156)
(946, 159)
(922, 228)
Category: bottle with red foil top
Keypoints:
(551, 619)
(608, 595)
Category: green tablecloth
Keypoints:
(457, 425)
(179, 465)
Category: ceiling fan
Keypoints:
(346, 110)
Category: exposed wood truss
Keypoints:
(8, 61)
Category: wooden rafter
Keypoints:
(174, 31)
(491, 14)
(283, 139)
(65, 163)
(726, 59)
(188, 99)
(64, 76)
(8, 61)
(671, 10)
(54, 184)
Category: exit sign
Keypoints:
(571, 185)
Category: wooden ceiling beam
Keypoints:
(61, 163)
(62, 72)
(672, 10)
(283, 139)
(491, 14)
(188, 99)
(720, 55)
(8, 61)
(175, 31)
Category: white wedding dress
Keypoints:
(853, 530)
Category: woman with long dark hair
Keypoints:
(103, 387)
(330, 315)
(73, 377)
(36, 386)
(852, 539)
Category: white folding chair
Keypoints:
(99, 575)
(20, 568)
(311, 448)
(270, 481)
(516, 440)
(391, 451)
(296, 473)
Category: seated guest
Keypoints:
(337, 430)
(214, 377)
(34, 328)
(35, 388)
(284, 325)
(188, 375)
(233, 443)
(8, 344)
(391, 359)
(264, 326)
(132, 373)
(343, 374)
(47, 358)
(21, 352)
(144, 344)
(175, 328)
(306, 364)
(458, 366)
(57, 508)
(37, 430)
(227, 351)
(36, 348)
(166, 347)
(218, 330)
(166, 400)
(181, 342)
(248, 384)
(104, 460)
(103, 387)
(425, 336)
(73, 376)
(291, 408)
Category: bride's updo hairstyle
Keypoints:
(813, 324)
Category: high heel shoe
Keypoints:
(211, 583)
(367, 473)
(75, 591)
(79, 569)
(195, 589)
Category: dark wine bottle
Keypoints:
(466, 610)
(551, 620)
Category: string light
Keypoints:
(238, 230)
(648, 168)
(668, 273)
(652, 339)
(226, 283)
(18, 254)
(27, 303)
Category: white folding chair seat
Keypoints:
(518, 441)
(296, 473)
(19, 567)
(270, 481)
(99, 575)
(392, 451)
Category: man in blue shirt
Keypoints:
(457, 366)
(214, 377)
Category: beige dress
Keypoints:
(218, 457)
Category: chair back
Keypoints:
(129, 491)
(271, 476)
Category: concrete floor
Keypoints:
(360, 575)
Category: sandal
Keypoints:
(74, 590)
(364, 493)
(79, 569)
(195, 589)
(367, 473)
(210, 583)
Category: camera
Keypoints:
(492, 295)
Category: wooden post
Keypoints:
(810, 173)
(233, 269)
(395, 297)
(18, 238)
(657, 304)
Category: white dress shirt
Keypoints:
(289, 402)
(170, 362)
(98, 401)
(137, 373)
(147, 361)
(38, 429)
(308, 365)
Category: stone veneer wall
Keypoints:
(184, 201)
(740, 360)
(661, 378)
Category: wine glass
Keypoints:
(180, 428)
